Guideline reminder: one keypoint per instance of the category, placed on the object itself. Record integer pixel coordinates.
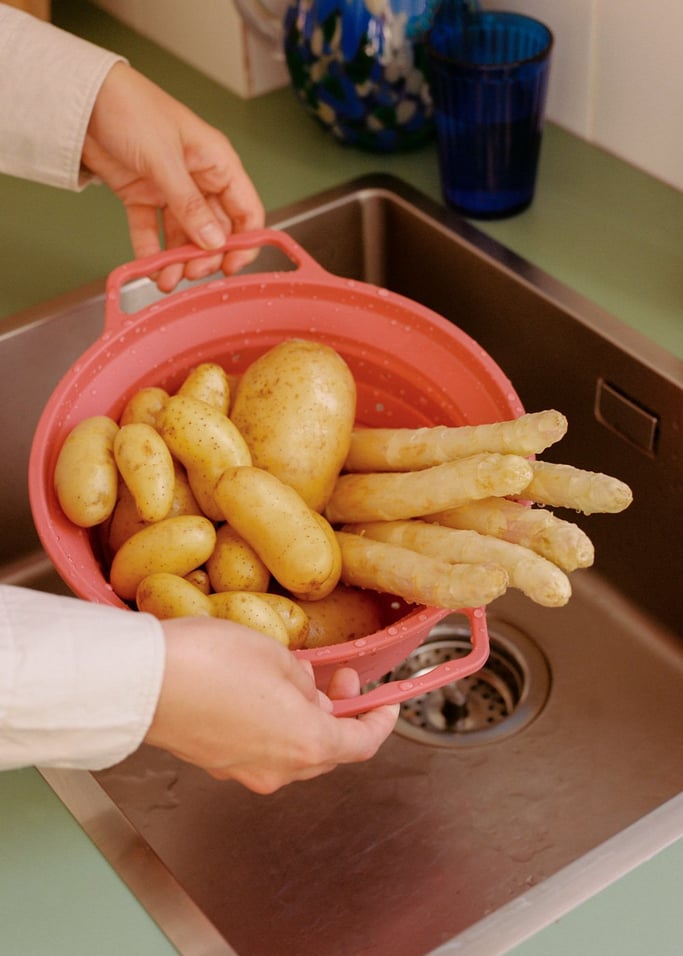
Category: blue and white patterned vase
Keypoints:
(358, 67)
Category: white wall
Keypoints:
(616, 76)
(211, 36)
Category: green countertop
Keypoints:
(604, 228)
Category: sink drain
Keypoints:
(501, 698)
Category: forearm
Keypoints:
(79, 682)
(49, 81)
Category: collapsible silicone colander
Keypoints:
(412, 367)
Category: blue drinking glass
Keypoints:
(488, 77)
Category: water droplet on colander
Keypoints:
(322, 652)
(383, 292)
(361, 642)
(392, 630)
(478, 612)
(406, 685)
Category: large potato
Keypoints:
(146, 466)
(295, 407)
(205, 441)
(86, 478)
(292, 540)
(344, 615)
(176, 545)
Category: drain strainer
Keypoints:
(501, 698)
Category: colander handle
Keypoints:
(115, 317)
(397, 691)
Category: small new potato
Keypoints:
(293, 541)
(146, 466)
(206, 442)
(86, 478)
(295, 406)
(245, 607)
(234, 565)
(209, 383)
(344, 615)
(176, 545)
(293, 617)
(144, 406)
(167, 595)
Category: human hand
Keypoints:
(243, 707)
(163, 161)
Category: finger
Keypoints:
(188, 205)
(344, 683)
(143, 226)
(361, 737)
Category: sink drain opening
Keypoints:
(499, 700)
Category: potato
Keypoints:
(177, 545)
(344, 615)
(295, 407)
(234, 565)
(124, 522)
(292, 540)
(86, 478)
(209, 383)
(293, 617)
(200, 579)
(245, 607)
(206, 442)
(167, 595)
(146, 466)
(144, 406)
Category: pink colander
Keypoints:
(412, 367)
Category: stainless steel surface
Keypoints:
(425, 845)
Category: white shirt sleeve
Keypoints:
(79, 682)
(49, 81)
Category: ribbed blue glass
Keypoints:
(489, 77)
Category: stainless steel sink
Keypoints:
(499, 802)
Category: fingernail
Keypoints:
(212, 236)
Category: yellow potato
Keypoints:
(200, 579)
(206, 442)
(292, 540)
(144, 406)
(86, 477)
(146, 466)
(295, 407)
(344, 615)
(177, 545)
(293, 617)
(209, 383)
(245, 607)
(167, 595)
(124, 522)
(184, 501)
(234, 565)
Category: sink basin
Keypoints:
(558, 766)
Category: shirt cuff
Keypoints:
(79, 682)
